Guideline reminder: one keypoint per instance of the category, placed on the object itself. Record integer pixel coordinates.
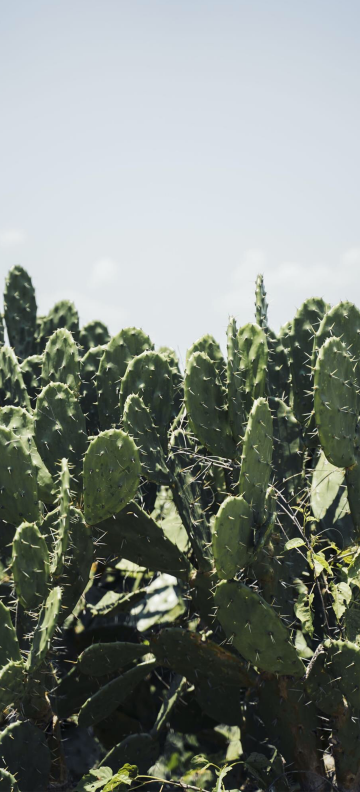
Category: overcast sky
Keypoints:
(156, 154)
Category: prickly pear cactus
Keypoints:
(179, 555)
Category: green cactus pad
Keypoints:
(343, 322)
(304, 327)
(77, 563)
(278, 370)
(110, 696)
(211, 348)
(89, 365)
(111, 475)
(113, 364)
(140, 750)
(138, 422)
(44, 629)
(258, 633)
(205, 404)
(149, 376)
(177, 378)
(62, 537)
(63, 314)
(61, 361)
(253, 352)
(106, 658)
(336, 403)
(22, 424)
(31, 372)
(30, 565)
(187, 653)
(18, 484)
(7, 782)
(60, 429)
(12, 386)
(233, 537)
(235, 401)
(133, 535)
(287, 459)
(11, 685)
(94, 334)
(9, 646)
(20, 311)
(321, 688)
(24, 752)
(343, 662)
(256, 457)
(261, 305)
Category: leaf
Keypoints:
(124, 777)
(94, 780)
(318, 562)
(292, 543)
(341, 594)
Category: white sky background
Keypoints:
(156, 154)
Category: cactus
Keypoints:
(258, 633)
(60, 429)
(149, 376)
(106, 658)
(113, 364)
(253, 351)
(111, 475)
(108, 698)
(233, 537)
(30, 565)
(31, 372)
(24, 752)
(256, 458)
(206, 407)
(89, 365)
(18, 480)
(61, 361)
(218, 536)
(93, 334)
(301, 342)
(20, 311)
(12, 387)
(44, 629)
(62, 315)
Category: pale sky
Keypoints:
(156, 154)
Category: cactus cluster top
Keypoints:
(180, 551)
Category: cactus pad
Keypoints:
(61, 361)
(149, 376)
(106, 658)
(60, 429)
(111, 474)
(256, 457)
(138, 422)
(44, 629)
(20, 311)
(113, 364)
(18, 484)
(336, 403)
(233, 537)
(30, 565)
(110, 696)
(258, 633)
(205, 404)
